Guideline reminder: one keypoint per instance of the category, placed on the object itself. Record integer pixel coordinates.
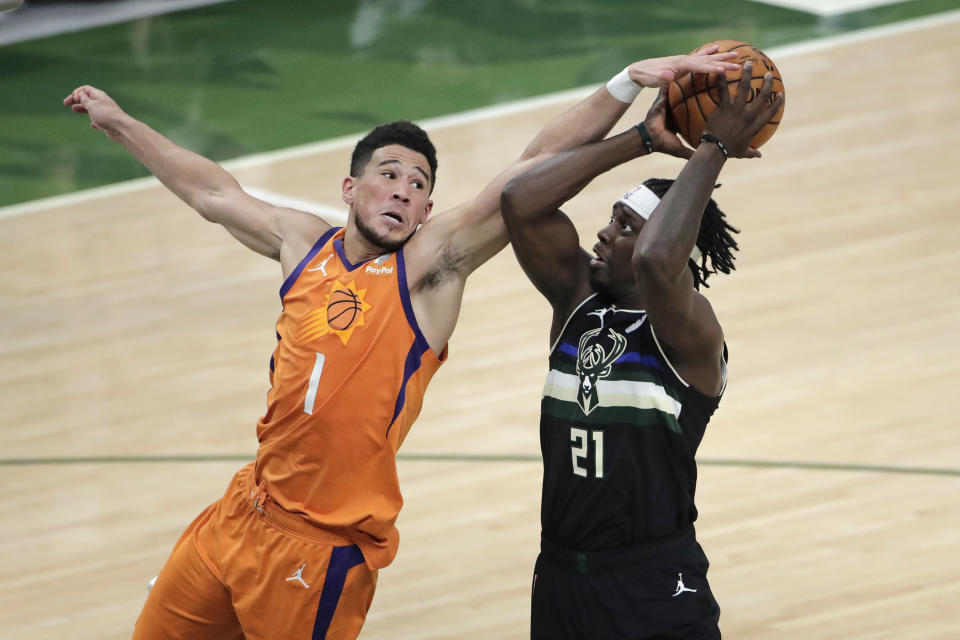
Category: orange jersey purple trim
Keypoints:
(348, 377)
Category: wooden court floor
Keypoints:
(829, 480)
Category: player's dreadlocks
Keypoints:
(714, 239)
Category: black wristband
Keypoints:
(715, 140)
(647, 140)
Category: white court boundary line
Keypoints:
(328, 213)
(42, 21)
(828, 8)
(442, 122)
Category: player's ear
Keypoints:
(426, 211)
(346, 189)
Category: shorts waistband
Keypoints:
(296, 523)
(587, 562)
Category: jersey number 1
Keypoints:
(311, 397)
(579, 450)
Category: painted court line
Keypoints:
(465, 117)
(828, 7)
(330, 214)
(466, 457)
(40, 21)
(866, 35)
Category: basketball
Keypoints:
(692, 98)
(342, 309)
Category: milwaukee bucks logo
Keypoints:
(595, 358)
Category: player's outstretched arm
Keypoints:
(594, 117)
(683, 319)
(473, 232)
(199, 182)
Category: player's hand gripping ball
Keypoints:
(694, 96)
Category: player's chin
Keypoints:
(393, 239)
(599, 277)
(389, 238)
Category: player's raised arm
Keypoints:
(473, 232)
(543, 238)
(682, 318)
(201, 183)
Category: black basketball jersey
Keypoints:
(618, 432)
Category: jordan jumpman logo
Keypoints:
(323, 265)
(298, 576)
(680, 587)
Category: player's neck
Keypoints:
(628, 299)
(358, 249)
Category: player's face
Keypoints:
(391, 197)
(610, 269)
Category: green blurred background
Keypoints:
(242, 77)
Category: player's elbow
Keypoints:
(215, 202)
(511, 198)
(208, 208)
(203, 207)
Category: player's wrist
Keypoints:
(120, 122)
(641, 128)
(716, 143)
(623, 88)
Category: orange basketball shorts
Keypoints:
(245, 568)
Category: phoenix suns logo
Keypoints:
(595, 359)
(342, 312)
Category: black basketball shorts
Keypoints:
(654, 591)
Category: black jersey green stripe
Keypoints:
(570, 412)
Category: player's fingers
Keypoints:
(82, 94)
(743, 91)
(710, 66)
(726, 58)
(724, 90)
(766, 88)
(706, 51)
(78, 108)
(721, 67)
(717, 63)
(75, 94)
(776, 103)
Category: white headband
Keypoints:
(643, 201)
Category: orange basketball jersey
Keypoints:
(347, 381)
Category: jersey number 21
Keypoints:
(580, 449)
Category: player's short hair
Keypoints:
(714, 240)
(401, 132)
